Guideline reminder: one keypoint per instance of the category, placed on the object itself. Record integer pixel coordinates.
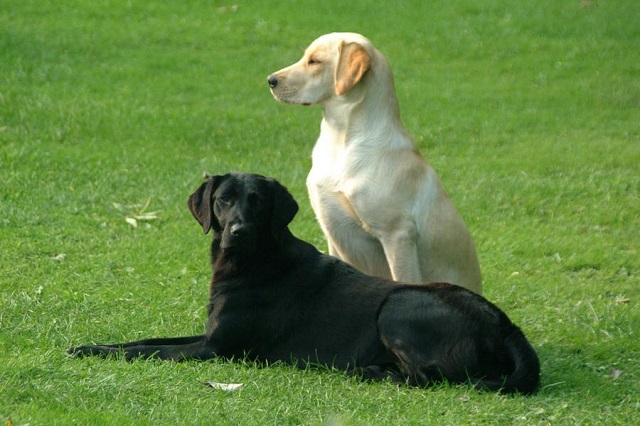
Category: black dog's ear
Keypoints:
(200, 204)
(284, 208)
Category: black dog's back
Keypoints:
(322, 311)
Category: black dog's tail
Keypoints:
(525, 376)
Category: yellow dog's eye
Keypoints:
(313, 61)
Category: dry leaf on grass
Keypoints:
(224, 386)
(136, 212)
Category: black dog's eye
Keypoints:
(226, 199)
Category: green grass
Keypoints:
(529, 111)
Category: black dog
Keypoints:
(274, 297)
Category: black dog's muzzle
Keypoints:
(238, 236)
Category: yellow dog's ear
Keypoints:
(353, 63)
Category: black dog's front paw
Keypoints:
(84, 351)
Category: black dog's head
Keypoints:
(243, 210)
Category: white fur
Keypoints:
(379, 203)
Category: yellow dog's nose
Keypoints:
(273, 81)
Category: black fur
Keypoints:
(274, 297)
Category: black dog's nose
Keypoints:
(238, 229)
(273, 81)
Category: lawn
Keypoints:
(111, 111)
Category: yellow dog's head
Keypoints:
(331, 66)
